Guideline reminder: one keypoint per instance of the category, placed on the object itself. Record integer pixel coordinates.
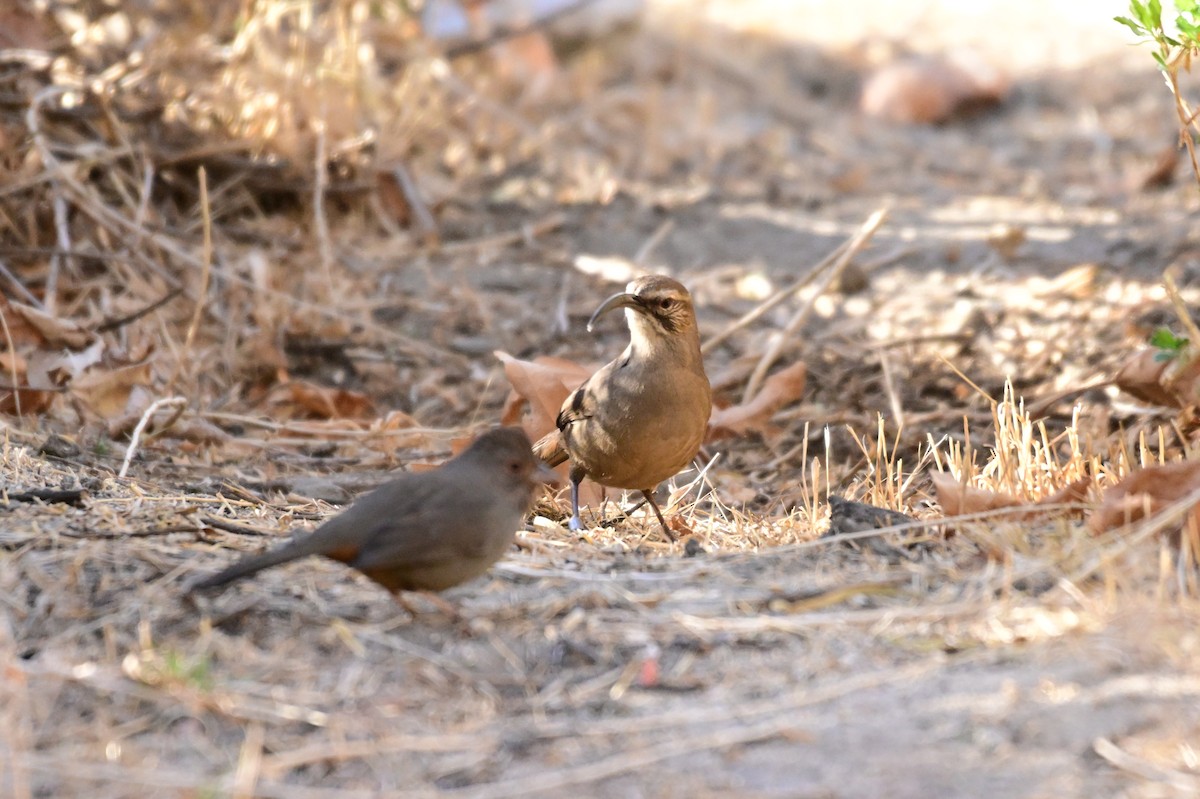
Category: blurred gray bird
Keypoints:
(425, 531)
(642, 417)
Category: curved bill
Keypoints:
(622, 300)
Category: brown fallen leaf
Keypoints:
(20, 401)
(1070, 494)
(931, 89)
(958, 499)
(199, 431)
(325, 402)
(108, 392)
(786, 385)
(544, 383)
(54, 332)
(1173, 382)
(1161, 172)
(1145, 492)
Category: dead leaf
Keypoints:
(931, 89)
(1144, 492)
(54, 332)
(1071, 494)
(957, 498)
(17, 332)
(778, 390)
(324, 402)
(1161, 173)
(21, 28)
(386, 435)
(198, 431)
(22, 401)
(109, 392)
(395, 420)
(544, 383)
(58, 367)
(1173, 382)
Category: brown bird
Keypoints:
(641, 418)
(425, 531)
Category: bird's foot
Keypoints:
(574, 524)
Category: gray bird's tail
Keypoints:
(307, 545)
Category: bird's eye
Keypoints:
(666, 303)
(514, 467)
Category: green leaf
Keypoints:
(1155, 9)
(1133, 26)
(1187, 6)
(1164, 339)
(1142, 12)
(1162, 62)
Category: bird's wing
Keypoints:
(413, 533)
(581, 404)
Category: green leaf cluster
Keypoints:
(1146, 20)
(1169, 345)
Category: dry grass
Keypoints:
(247, 163)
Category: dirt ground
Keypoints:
(763, 662)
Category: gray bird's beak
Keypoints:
(547, 476)
(622, 300)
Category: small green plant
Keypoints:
(1169, 345)
(1147, 22)
(1173, 54)
(193, 671)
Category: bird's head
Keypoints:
(656, 306)
(507, 455)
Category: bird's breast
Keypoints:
(644, 431)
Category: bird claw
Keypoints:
(574, 524)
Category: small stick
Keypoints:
(1147, 770)
(205, 274)
(67, 496)
(121, 321)
(143, 208)
(19, 287)
(787, 291)
(320, 222)
(422, 217)
(1181, 309)
(179, 403)
(525, 233)
(58, 203)
(848, 251)
(651, 244)
(889, 385)
(12, 365)
(474, 46)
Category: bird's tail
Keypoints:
(550, 449)
(299, 548)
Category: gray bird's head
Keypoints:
(507, 454)
(656, 307)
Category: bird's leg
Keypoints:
(576, 478)
(440, 604)
(647, 493)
